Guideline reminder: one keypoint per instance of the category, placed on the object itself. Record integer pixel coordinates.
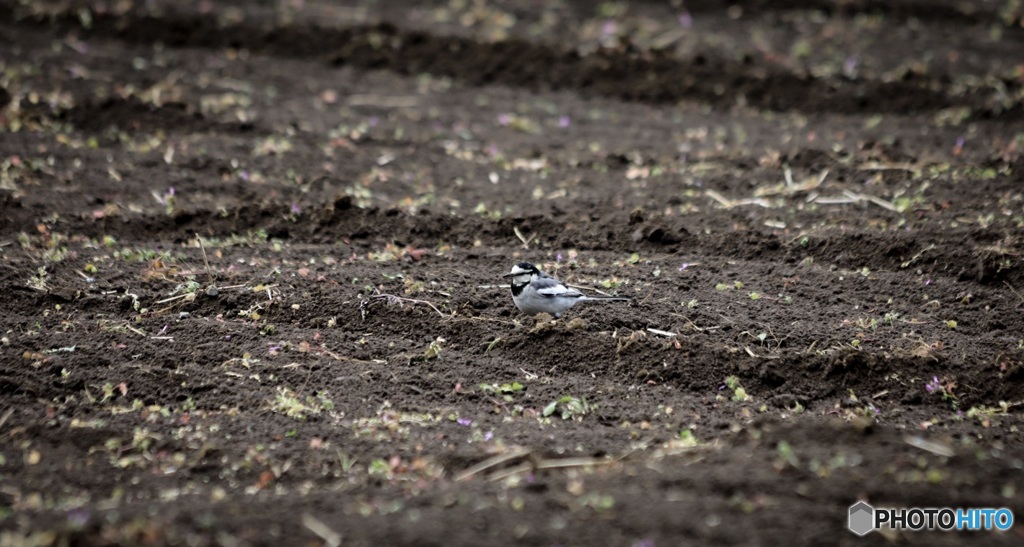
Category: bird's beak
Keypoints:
(509, 274)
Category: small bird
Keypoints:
(534, 291)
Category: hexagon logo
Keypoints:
(862, 518)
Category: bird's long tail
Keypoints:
(606, 298)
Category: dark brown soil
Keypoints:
(251, 257)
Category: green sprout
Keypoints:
(288, 403)
(379, 468)
(505, 390)
(688, 439)
(432, 352)
(738, 393)
(787, 455)
(568, 407)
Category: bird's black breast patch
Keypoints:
(517, 288)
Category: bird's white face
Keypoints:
(519, 275)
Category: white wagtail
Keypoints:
(534, 291)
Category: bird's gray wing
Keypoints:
(551, 287)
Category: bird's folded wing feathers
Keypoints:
(551, 287)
